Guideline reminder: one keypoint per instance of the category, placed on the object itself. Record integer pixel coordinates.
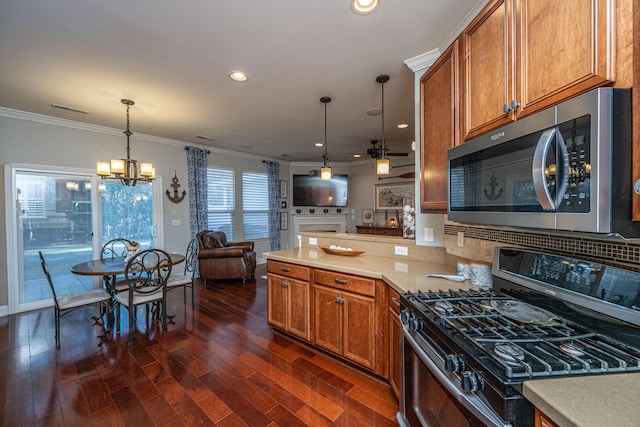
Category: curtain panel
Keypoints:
(197, 182)
(273, 173)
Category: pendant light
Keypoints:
(126, 170)
(382, 164)
(325, 171)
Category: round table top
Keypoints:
(111, 266)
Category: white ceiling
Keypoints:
(173, 58)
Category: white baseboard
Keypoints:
(4, 310)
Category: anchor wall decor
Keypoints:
(493, 183)
(175, 198)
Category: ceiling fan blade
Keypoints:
(398, 154)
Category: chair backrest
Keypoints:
(148, 271)
(191, 258)
(48, 276)
(212, 239)
(114, 248)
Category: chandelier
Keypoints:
(126, 170)
(382, 164)
(325, 171)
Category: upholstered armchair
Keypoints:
(219, 259)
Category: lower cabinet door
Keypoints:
(328, 318)
(277, 301)
(298, 309)
(359, 329)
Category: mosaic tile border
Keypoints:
(614, 251)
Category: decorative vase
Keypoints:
(408, 222)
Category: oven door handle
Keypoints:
(471, 402)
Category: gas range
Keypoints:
(546, 316)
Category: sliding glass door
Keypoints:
(67, 216)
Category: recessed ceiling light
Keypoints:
(364, 7)
(357, 155)
(238, 76)
(318, 144)
(403, 126)
(374, 112)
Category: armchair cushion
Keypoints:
(221, 259)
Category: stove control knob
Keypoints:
(471, 382)
(415, 324)
(405, 315)
(453, 363)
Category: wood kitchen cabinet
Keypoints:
(289, 297)
(346, 318)
(521, 56)
(395, 341)
(541, 420)
(439, 109)
(379, 230)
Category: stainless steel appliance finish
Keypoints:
(467, 353)
(561, 168)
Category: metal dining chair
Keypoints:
(187, 280)
(115, 248)
(65, 304)
(146, 275)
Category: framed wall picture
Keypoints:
(283, 190)
(367, 216)
(393, 196)
(284, 221)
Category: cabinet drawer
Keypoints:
(347, 282)
(289, 270)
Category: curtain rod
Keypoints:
(186, 148)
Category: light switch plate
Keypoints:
(313, 241)
(402, 250)
(175, 222)
(428, 234)
(401, 267)
(461, 239)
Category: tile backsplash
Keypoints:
(479, 242)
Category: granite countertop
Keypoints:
(591, 401)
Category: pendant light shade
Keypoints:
(382, 164)
(126, 170)
(325, 171)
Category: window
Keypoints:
(221, 200)
(255, 205)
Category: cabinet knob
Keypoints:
(285, 269)
(395, 301)
(339, 300)
(340, 281)
(285, 285)
(513, 105)
(636, 186)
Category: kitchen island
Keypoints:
(582, 402)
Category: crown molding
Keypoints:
(426, 60)
(88, 127)
(422, 61)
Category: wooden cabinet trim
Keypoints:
(289, 270)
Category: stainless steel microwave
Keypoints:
(564, 168)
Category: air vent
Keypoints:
(206, 138)
(64, 107)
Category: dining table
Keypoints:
(109, 269)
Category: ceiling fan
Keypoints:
(376, 151)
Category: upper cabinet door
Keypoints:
(439, 111)
(565, 48)
(488, 69)
(522, 56)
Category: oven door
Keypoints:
(430, 397)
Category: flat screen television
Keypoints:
(310, 190)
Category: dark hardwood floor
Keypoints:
(220, 364)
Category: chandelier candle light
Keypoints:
(126, 170)
(382, 164)
(325, 171)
